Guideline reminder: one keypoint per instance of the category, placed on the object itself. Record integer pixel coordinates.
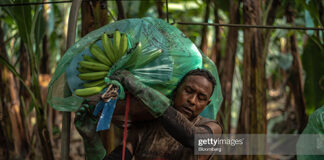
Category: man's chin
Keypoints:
(184, 114)
(188, 116)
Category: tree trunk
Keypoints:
(269, 20)
(216, 49)
(44, 64)
(229, 62)
(253, 66)
(66, 120)
(121, 13)
(40, 107)
(204, 43)
(7, 139)
(89, 20)
(25, 74)
(94, 15)
(45, 72)
(41, 115)
(13, 104)
(321, 17)
(24, 95)
(159, 7)
(296, 77)
(253, 110)
(43, 134)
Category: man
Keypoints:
(171, 136)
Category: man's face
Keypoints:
(193, 96)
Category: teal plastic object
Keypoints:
(217, 98)
(315, 125)
(179, 56)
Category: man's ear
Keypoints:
(208, 102)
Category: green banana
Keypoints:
(93, 75)
(99, 54)
(90, 59)
(106, 43)
(132, 60)
(83, 70)
(117, 43)
(151, 56)
(94, 66)
(89, 91)
(94, 83)
(123, 45)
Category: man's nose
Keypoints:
(192, 99)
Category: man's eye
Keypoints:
(202, 98)
(188, 90)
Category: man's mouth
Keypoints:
(187, 111)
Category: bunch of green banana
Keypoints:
(94, 69)
(133, 61)
(116, 49)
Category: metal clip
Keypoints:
(111, 92)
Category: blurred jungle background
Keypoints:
(272, 79)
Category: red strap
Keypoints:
(125, 124)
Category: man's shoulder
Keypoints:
(202, 120)
(214, 125)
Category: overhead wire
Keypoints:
(250, 26)
(55, 2)
(179, 23)
(34, 3)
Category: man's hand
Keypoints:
(122, 76)
(86, 125)
(85, 122)
(155, 102)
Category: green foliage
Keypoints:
(314, 7)
(31, 26)
(38, 27)
(144, 8)
(313, 58)
(274, 61)
(27, 24)
(56, 130)
(275, 58)
(223, 5)
(22, 17)
(312, 14)
(13, 70)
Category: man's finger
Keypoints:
(78, 113)
(77, 117)
(115, 77)
(91, 109)
(82, 109)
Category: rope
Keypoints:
(53, 2)
(181, 23)
(125, 124)
(249, 26)
(34, 3)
